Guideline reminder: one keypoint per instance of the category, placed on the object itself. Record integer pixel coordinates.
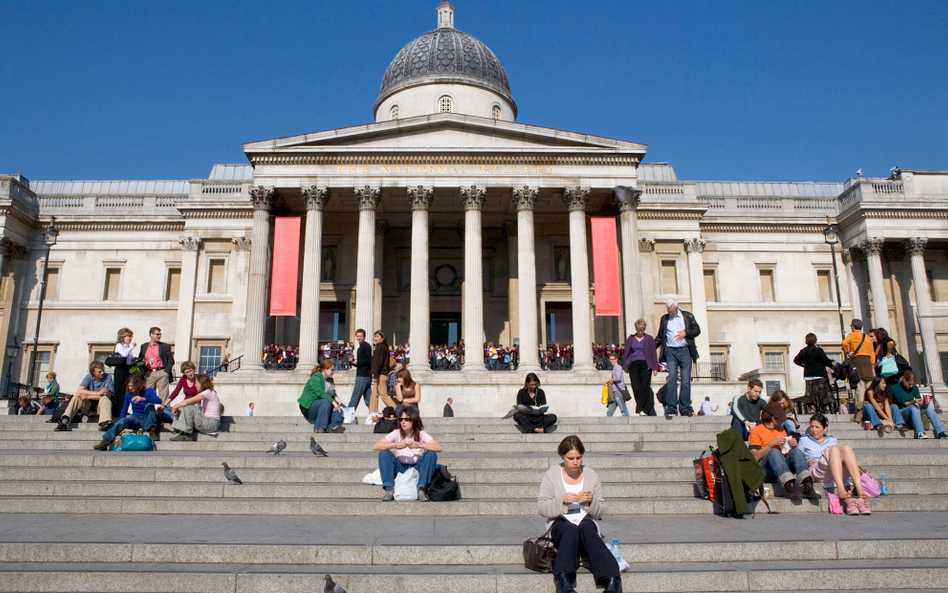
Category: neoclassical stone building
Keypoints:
(445, 219)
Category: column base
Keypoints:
(584, 368)
(527, 367)
(468, 368)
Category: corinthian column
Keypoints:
(257, 286)
(369, 198)
(699, 305)
(419, 331)
(525, 199)
(646, 249)
(576, 200)
(855, 299)
(880, 308)
(628, 220)
(185, 326)
(473, 200)
(316, 199)
(926, 320)
(240, 289)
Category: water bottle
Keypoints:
(615, 549)
(883, 489)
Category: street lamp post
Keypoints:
(832, 238)
(13, 350)
(49, 239)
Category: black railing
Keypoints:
(226, 367)
(708, 371)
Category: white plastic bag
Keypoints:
(373, 479)
(349, 416)
(373, 418)
(406, 485)
(623, 565)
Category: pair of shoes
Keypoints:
(102, 446)
(613, 585)
(669, 416)
(852, 507)
(793, 491)
(104, 426)
(184, 436)
(565, 582)
(921, 435)
(422, 495)
(320, 430)
(153, 434)
(63, 425)
(388, 496)
(808, 491)
(942, 435)
(337, 429)
(861, 506)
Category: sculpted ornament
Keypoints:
(576, 199)
(473, 198)
(262, 197)
(646, 245)
(420, 197)
(916, 245)
(368, 197)
(190, 243)
(695, 245)
(525, 198)
(241, 243)
(872, 246)
(316, 198)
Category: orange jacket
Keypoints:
(852, 341)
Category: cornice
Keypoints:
(224, 214)
(669, 215)
(175, 225)
(760, 227)
(19, 214)
(433, 159)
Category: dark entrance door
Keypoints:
(445, 329)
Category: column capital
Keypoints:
(525, 198)
(576, 199)
(241, 243)
(916, 245)
(627, 197)
(472, 198)
(190, 243)
(646, 245)
(6, 247)
(420, 197)
(872, 246)
(19, 251)
(368, 197)
(316, 198)
(695, 245)
(262, 197)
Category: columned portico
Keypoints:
(525, 198)
(699, 305)
(473, 200)
(262, 198)
(576, 200)
(368, 199)
(419, 323)
(880, 307)
(926, 320)
(628, 220)
(315, 199)
(184, 329)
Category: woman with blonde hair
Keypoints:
(407, 391)
(125, 347)
(640, 360)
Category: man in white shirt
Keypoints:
(249, 411)
(676, 342)
(707, 409)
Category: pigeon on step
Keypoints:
(277, 447)
(230, 474)
(316, 449)
(332, 586)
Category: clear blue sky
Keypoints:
(785, 91)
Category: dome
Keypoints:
(445, 55)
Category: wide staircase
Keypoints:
(78, 520)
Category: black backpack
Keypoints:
(443, 487)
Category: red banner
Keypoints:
(286, 267)
(605, 246)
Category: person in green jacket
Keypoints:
(318, 401)
(910, 404)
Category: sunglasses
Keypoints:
(404, 419)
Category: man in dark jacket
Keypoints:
(363, 364)
(676, 343)
(380, 370)
(159, 364)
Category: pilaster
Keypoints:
(699, 305)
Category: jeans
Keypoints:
(937, 426)
(740, 427)
(782, 469)
(789, 427)
(323, 416)
(146, 423)
(616, 400)
(361, 390)
(869, 413)
(679, 363)
(914, 413)
(389, 465)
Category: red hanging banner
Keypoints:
(605, 247)
(286, 264)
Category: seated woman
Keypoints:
(319, 403)
(144, 403)
(407, 446)
(909, 403)
(879, 410)
(790, 425)
(407, 391)
(571, 498)
(190, 418)
(833, 465)
(533, 397)
(187, 383)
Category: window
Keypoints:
(825, 288)
(173, 284)
(52, 284)
(767, 285)
(669, 277)
(773, 361)
(215, 276)
(495, 112)
(445, 105)
(210, 358)
(393, 113)
(41, 366)
(719, 365)
(113, 283)
(101, 355)
(710, 286)
(836, 357)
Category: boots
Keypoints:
(565, 582)
(793, 491)
(153, 434)
(808, 491)
(103, 445)
(613, 585)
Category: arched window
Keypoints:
(445, 105)
(495, 112)
(394, 112)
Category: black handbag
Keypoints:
(115, 359)
(539, 552)
(443, 487)
(625, 395)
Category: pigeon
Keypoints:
(332, 586)
(230, 475)
(278, 447)
(317, 450)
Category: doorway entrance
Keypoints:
(445, 329)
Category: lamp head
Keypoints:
(51, 233)
(830, 235)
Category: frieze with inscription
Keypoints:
(445, 169)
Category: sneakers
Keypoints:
(422, 496)
(104, 426)
(942, 435)
(153, 434)
(388, 496)
(862, 506)
(921, 435)
(102, 446)
(808, 491)
(852, 506)
(793, 491)
(337, 429)
(63, 425)
(184, 436)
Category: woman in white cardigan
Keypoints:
(571, 498)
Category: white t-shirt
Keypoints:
(249, 412)
(575, 511)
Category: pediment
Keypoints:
(449, 132)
